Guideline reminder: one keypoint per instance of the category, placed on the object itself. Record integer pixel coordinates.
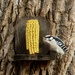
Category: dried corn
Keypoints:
(32, 36)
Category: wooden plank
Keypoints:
(31, 57)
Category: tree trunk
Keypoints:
(61, 14)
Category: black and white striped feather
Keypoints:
(60, 43)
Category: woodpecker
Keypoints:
(56, 44)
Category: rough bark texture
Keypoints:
(61, 14)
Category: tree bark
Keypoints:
(61, 14)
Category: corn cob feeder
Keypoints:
(32, 36)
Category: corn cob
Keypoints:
(32, 36)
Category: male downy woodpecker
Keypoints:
(55, 43)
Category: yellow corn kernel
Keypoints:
(37, 38)
(32, 36)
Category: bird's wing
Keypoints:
(60, 43)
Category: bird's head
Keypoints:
(47, 38)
